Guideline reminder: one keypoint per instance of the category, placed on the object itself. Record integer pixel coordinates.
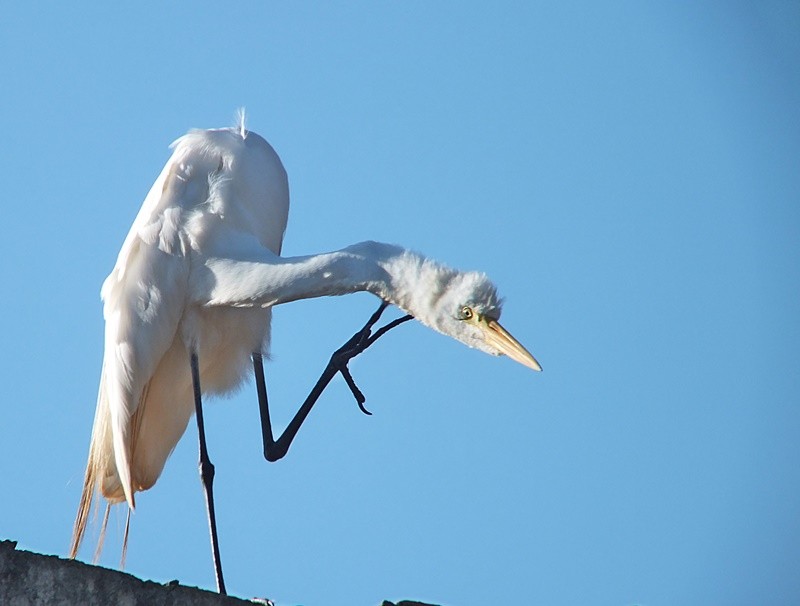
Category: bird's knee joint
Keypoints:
(206, 470)
(274, 454)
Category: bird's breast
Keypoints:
(226, 338)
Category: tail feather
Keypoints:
(100, 466)
(85, 505)
(125, 540)
(101, 539)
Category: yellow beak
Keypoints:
(499, 338)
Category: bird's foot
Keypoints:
(356, 345)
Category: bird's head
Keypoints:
(466, 306)
(463, 305)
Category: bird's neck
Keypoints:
(395, 274)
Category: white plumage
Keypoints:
(199, 272)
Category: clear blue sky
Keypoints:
(628, 174)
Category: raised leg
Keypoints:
(276, 449)
(207, 474)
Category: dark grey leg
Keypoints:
(207, 474)
(276, 449)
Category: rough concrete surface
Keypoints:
(28, 579)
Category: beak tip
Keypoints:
(533, 364)
(525, 359)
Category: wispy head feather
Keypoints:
(240, 122)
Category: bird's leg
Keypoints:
(276, 449)
(207, 474)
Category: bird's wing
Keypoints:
(145, 297)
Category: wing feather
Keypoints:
(144, 401)
(144, 298)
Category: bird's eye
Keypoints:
(465, 313)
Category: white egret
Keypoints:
(188, 306)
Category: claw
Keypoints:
(357, 344)
(384, 329)
(357, 393)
